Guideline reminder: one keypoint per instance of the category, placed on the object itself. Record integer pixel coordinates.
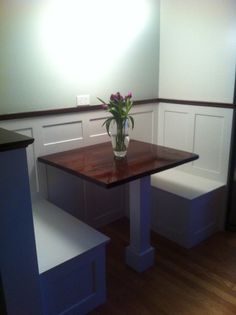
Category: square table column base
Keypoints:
(140, 261)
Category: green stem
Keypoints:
(120, 137)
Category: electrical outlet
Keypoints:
(82, 100)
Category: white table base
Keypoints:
(140, 254)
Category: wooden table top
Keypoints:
(96, 163)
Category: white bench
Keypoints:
(189, 201)
(186, 207)
(71, 260)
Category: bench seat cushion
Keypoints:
(61, 237)
(184, 184)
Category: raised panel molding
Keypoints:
(96, 127)
(143, 126)
(203, 130)
(150, 126)
(175, 133)
(175, 126)
(97, 132)
(208, 142)
(62, 132)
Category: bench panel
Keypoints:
(208, 133)
(71, 260)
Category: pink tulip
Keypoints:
(104, 106)
(129, 95)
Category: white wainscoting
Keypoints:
(57, 133)
(202, 130)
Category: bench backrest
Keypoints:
(199, 129)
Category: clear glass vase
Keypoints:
(119, 131)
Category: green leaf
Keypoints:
(132, 121)
(115, 113)
(129, 105)
(101, 100)
(107, 123)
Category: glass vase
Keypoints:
(119, 131)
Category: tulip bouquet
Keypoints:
(119, 106)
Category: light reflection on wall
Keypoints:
(85, 38)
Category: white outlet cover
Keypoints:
(83, 100)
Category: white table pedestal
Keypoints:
(140, 255)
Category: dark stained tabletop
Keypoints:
(97, 164)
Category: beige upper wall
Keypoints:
(197, 50)
(53, 50)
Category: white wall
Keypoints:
(197, 50)
(53, 50)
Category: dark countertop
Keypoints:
(10, 140)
